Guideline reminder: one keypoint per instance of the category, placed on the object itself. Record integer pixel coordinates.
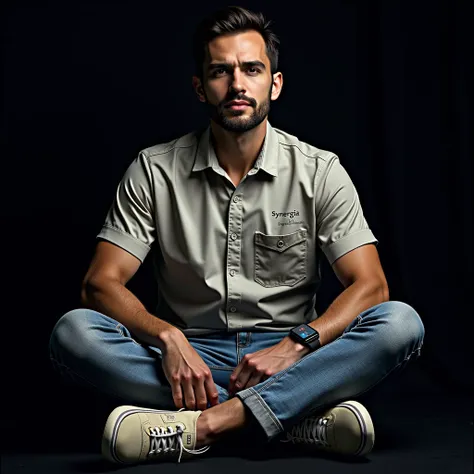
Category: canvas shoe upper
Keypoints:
(345, 429)
(135, 434)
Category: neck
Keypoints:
(237, 152)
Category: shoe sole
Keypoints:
(112, 426)
(365, 424)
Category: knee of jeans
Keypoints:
(70, 334)
(405, 331)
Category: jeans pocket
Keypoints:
(280, 260)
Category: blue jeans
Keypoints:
(97, 351)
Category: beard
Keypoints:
(239, 121)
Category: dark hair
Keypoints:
(230, 20)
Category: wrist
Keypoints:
(300, 349)
(168, 336)
(306, 336)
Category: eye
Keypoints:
(217, 71)
(255, 70)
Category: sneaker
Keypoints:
(134, 435)
(344, 429)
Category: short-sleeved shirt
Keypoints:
(236, 258)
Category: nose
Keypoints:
(236, 83)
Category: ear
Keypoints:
(277, 85)
(198, 88)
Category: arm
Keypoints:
(363, 278)
(350, 247)
(104, 290)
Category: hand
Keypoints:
(259, 366)
(190, 378)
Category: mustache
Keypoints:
(226, 101)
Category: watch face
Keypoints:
(305, 331)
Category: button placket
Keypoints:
(234, 232)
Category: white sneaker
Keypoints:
(345, 429)
(134, 435)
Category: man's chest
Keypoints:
(253, 229)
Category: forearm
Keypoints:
(113, 299)
(346, 307)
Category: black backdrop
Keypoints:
(385, 85)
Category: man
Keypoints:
(239, 216)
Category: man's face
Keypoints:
(238, 68)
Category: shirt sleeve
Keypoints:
(340, 220)
(129, 222)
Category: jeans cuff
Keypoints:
(261, 411)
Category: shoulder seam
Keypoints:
(167, 150)
(317, 155)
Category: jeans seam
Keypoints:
(388, 373)
(120, 329)
(376, 383)
(267, 409)
(280, 374)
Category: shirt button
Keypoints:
(236, 199)
(232, 273)
(252, 171)
(233, 309)
(233, 236)
(280, 244)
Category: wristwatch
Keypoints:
(306, 335)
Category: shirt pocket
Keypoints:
(280, 260)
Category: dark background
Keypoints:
(385, 85)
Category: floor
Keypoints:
(414, 434)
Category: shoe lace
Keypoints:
(167, 440)
(310, 430)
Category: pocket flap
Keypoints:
(280, 243)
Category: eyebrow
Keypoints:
(229, 66)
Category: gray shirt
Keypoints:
(243, 258)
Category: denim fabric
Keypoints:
(94, 350)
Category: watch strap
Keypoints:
(314, 344)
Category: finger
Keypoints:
(242, 380)
(211, 391)
(254, 380)
(200, 393)
(177, 393)
(235, 376)
(189, 396)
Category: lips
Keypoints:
(237, 102)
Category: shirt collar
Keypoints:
(266, 161)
